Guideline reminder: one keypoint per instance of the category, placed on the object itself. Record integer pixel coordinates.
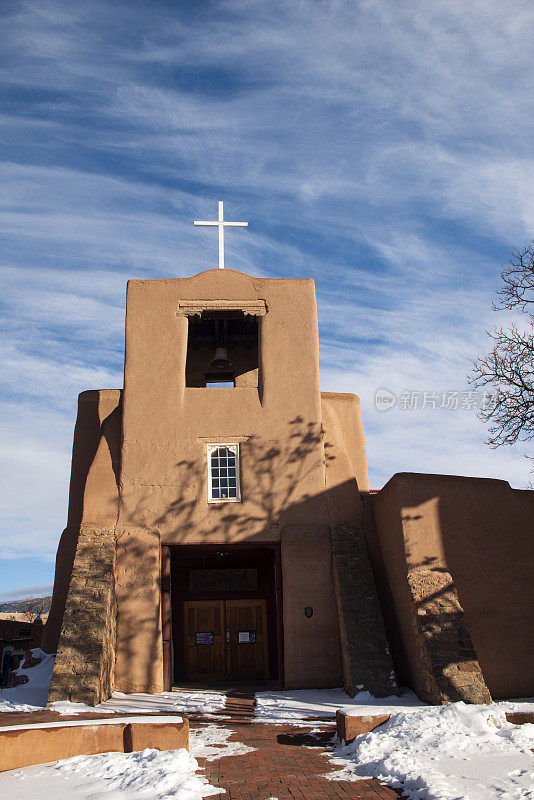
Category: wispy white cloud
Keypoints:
(23, 592)
(383, 149)
(34, 476)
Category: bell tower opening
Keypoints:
(222, 350)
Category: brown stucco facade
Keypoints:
(140, 474)
(436, 568)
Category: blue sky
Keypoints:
(384, 149)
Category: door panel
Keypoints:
(204, 640)
(246, 655)
(225, 640)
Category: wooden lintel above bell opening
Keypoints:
(188, 308)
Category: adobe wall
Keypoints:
(85, 660)
(312, 656)
(166, 427)
(364, 647)
(474, 536)
(94, 407)
(345, 450)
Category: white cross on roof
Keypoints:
(221, 224)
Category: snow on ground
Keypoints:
(114, 720)
(205, 702)
(453, 752)
(211, 742)
(149, 774)
(30, 696)
(294, 707)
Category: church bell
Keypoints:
(220, 360)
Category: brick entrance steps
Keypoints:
(239, 705)
(25, 745)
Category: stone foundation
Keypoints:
(367, 663)
(85, 660)
(447, 664)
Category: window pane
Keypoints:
(222, 473)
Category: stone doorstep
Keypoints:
(348, 727)
(34, 744)
(520, 717)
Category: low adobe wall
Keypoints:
(23, 746)
(470, 539)
(348, 727)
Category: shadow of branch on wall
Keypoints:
(275, 480)
(274, 475)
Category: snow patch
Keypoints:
(293, 707)
(67, 707)
(205, 702)
(211, 742)
(153, 774)
(30, 696)
(451, 752)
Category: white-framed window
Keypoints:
(223, 473)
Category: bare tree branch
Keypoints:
(508, 369)
(518, 279)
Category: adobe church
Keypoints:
(221, 528)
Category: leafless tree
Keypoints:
(34, 607)
(508, 369)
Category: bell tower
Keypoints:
(213, 500)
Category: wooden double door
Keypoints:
(225, 640)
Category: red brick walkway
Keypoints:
(288, 762)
